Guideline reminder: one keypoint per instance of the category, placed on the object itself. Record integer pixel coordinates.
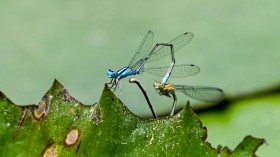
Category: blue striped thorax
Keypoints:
(123, 72)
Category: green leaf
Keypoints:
(62, 126)
(258, 114)
(244, 149)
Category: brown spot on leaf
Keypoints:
(51, 151)
(97, 120)
(66, 96)
(41, 110)
(72, 137)
(96, 115)
(22, 118)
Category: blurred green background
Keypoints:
(236, 46)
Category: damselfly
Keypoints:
(179, 71)
(145, 54)
(203, 93)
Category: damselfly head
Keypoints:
(112, 74)
(161, 86)
(157, 85)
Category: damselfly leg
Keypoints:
(167, 90)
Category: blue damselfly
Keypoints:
(145, 53)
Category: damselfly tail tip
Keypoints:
(133, 80)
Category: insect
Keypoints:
(203, 93)
(145, 53)
(179, 71)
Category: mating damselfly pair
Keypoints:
(146, 53)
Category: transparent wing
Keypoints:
(177, 43)
(143, 49)
(203, 93)
(179, 71)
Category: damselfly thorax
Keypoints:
(164, 89)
